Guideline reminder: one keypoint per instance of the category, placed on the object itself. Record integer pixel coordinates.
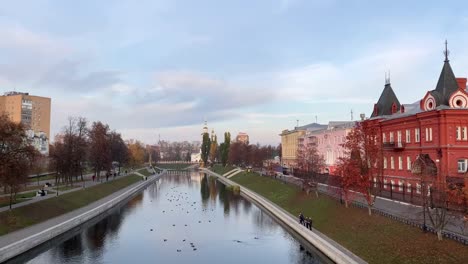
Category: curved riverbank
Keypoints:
(25, 239)
(328, 247)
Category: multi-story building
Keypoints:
(33, 112)
(328, 142)
(242, 138)
(436, 125)
(290, 142)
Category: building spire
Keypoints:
(387, 77)
(446, 52)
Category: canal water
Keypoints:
(186, 217)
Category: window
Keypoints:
(392, 163)
(464, 136)
(399, 136)
(391, 137)
(400, 163)
(462, 165)
(416, 135)
(408, 163)
(384, 138)
(375, 182)
(408, 187)
(459, 133)
(400, 185)
(385, 183)
(385, 162)
(392, 184)
(418, 188)
(408, 136)
(428, 133)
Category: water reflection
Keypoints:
(182, 218)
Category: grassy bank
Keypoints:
(34, 213)
(173, 166)
(218, 168)
(376, 239)
(145, 172)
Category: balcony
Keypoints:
(394, 146)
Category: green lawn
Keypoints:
(218, 168)
(43, 178)
(175, 166)
(145, 172)
(376, 239)
(62, 188)
(38, 212)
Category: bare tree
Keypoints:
(99, 148)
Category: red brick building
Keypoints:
(435, 125)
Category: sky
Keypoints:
(153, 68)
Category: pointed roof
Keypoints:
(446, 85)
(386, 100)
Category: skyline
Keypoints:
(161, 67)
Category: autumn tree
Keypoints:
(205, 148)
(363, 149)
(213, 148)
(17, 156)
(349, 172)
(136, 153)
(119, 150)
(100, 148)
(310, 163)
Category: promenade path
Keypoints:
(12, 237)
(87, 183)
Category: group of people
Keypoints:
(305, 221)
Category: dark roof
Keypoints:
(386, 100)
(446, 85)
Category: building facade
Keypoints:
(242, 138)
(33, 112)
(328, 142)
(436, 125)
(290, 143)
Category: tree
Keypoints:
(99, 148)
(213, 148)
(310, 163)
(363, 148)
(119, 150)
(225, 147)
(205, 148)
(17, 156)
(136, 153)
(348, 170)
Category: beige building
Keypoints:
(290, 142)
(33, 112)
(243, 138)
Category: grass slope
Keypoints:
(376, 239)
(218, 168)
(34, 213)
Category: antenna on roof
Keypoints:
(352, 115)
(446, 52)
(316, 120)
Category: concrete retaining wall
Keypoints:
(30, 242)
(328, 247)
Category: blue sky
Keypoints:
(162, 66)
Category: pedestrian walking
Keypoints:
(301, 218)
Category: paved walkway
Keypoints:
(29, 231)
(88, 183)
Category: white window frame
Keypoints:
(408, 135)
(392, 163)
(385, 183)
(464, 133)
(408, 163)
(392, 139)
(408, 187)
(459, 137)
(428, 134)
(461, 165)
(400, 162)
(417, 135)
(400, 185)
(375, 182)
(418, 188)
(399, 137)
(385, 162)
(384, 138)
(392, 182)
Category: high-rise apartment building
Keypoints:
(33, 112)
